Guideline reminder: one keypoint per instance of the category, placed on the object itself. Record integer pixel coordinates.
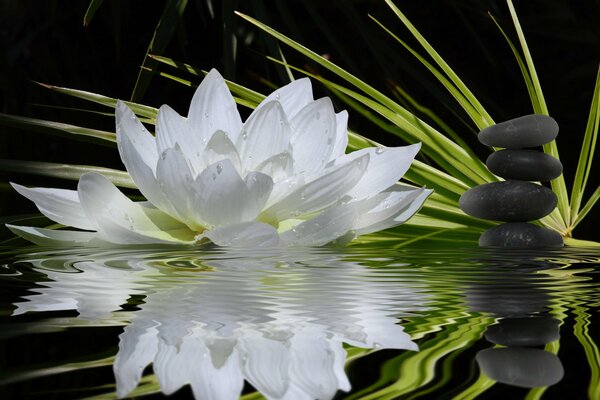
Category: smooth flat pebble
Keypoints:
(527, 131)
(535, 331)
(521, 366)
(508, 201)
(525, 165)
(520, 235)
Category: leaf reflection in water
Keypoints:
(278, 320)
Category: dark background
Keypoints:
(46, 41)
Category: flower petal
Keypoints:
(59, 205)
(221, 382)
(322, 229)
(321, 192)
(213, 108)
(175, 179)
(293, 97)
(225, 197)
(265, 363)
(218, 148)
(128, 125)
(171, 129)
(279, 166)
(122, 221)
(52, 237)
(388, 209)
(386, 167)
(313, 135)
(312, 368)
(138, 345)
(139, 160)
(246, 234)
(341, 135)
(265, 134)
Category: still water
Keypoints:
(363, 322)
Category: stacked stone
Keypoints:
(516, 200)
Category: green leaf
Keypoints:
(162, 35)
(558, 185)
(236, 89)
(91, 10)
(587, 208)
(65, 171)
(466, 105)
(72, 131)
(586, 155)
(486, 119)
(139, 109)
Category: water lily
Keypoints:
(280, 178)
(259, 317)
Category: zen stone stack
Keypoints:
(517, 200)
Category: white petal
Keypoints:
(226, 199)
(59, 205)
(138, 345)
(175, 179)
(341, 135)
(293, 97)
(414, 207)
(128, 125)
(173, 365)
(122, 221)
(265, 364)
(213, 108)
(312, 368)
(322, 192)
(313, 135)
(283, 188)
(219, 148)
(279, 167)
(388, 209)
(322, 229)
(386, 167)
(246, 234)
(221, 382)
(171, 128)
(51, 237)
(138, 153)
(265, 134)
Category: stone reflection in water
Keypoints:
(522, 306)
(278, 321)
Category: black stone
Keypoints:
(523, 331)
(508, 201)
(528, 131)
(519, 366)
(525, 165)
(520, 235)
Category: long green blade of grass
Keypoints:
(558, 185)
(466, 105)
(584, 166)
(139, 109)
(65, 171)
(486, 119)
(43, 126)
(162, 35)
(91, 10)
(522, 66)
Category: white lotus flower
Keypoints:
(280, 178)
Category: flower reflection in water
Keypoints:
(278, 320)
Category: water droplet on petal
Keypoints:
(379, 150)
(277, 96)
(244, 134)
(318, 116)
(219, 168)
(205, 115)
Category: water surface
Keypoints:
(359, 322)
